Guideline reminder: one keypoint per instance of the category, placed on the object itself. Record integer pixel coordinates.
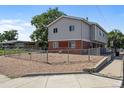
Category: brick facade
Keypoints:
(64, 45)
(85, 44)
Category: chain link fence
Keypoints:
(19, 62)
(58, 56)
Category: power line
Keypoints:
(101, 14)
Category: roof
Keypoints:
(15, 41)
(71, 17)
(77, 18)
(93, 23)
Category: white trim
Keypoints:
(55, 21)
(78, 18)
(64, 40)
(70, 40)
(86, 40)
(102, 29)
(71, 17)
(72, 44)
(55, 44)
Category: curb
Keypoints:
(50, 74)
(111, 77)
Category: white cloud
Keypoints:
(6, 21)
(9, 27)
(27, 24)
(24, 28)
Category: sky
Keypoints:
(19, 17)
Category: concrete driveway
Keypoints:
(62, 81)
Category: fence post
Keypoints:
(99, 51)
(30, 55)
(4, 52)
(89, 54)
(122, 85)
(41, 55)
(68, 55)
(47, 56)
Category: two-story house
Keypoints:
(76, 33)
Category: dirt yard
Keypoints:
(22, 64)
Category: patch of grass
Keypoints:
(11, 51)
(1, 52)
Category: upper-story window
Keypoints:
(55, 30)
(71, 28)
(99, 33)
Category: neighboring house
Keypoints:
(17, 44)
(76, 33)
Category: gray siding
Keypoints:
(83, 31)
(63, 30)
(95, 34)
(92, 32)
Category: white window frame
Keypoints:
(72, 44)
(55, 30)
(71, 28)
(55, 44)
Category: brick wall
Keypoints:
(86, 45)
(64, 44)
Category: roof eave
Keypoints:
(72, 17)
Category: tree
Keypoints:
(1, 37)
(40, 36)
(10, 35)
(41, 21)
(115, 38)
(122, 40)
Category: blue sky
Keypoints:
(19, 17)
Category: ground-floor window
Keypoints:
(55, 44)
(72, 44)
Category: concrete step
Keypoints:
(100, 65)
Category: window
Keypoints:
(71, 44)
(100, 33)
(55, 45)
(55, 30)
(71, 28)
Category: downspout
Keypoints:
(95, 35)
(81, 35)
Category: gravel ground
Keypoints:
(14, 67)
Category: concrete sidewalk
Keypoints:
(69, 80)
(115, 68)
(62, 81)
(4, 79)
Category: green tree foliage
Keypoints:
(41, 21)
(1, 37)
(9, 35)
(115, 39)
